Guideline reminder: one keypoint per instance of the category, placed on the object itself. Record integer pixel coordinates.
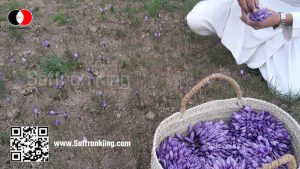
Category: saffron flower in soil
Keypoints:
(69, 27)
(46, 43)
(65, 115)
(76, 56)
(242, 72)
(56, 122)
(100, 93)
(52, 113)
(80, 79)
(157, 34)
(23, 60)
(104, 104)
(61, 84)
(146, 19)
(36, 111)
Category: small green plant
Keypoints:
(60, 17)
(4, 138)
(160, 83)
(2, 18)
(123, 64)
(72, 4)
(220, 56)
(135, 102)
(53, 65)
(120, 34)
(124, 80)
(137, 149)
(14, 5)
(131, 14)
(197, 73)
(180, 61)
(156, 5)
(188, 5)
(71, 62)
(2, 89)
(15, 32)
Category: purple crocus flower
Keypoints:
(145, 18)
(56, 122)
(108, 6)
(252, 139)
(104, 104)
(62, 83)
(91, 77)
(69, 27)
(80, 79)
(229, 163)
(12, 61)
(242, 72)
(88, 70)
(36, 111)
(199, 149)
(157, 34)
(23, 60)
(261, 134)
(102, 10)
(46, 43)
(52, 113)
(76, 56)
(8, 100)
(58, 87)
(159, 16)
(114, 82)
(100, 93)
(261, 15)
(104, 58)
(65, 115)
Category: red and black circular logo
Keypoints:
(20, 17)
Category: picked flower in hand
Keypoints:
(260, 15)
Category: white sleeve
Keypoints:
(290, 32)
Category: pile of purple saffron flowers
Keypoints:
(250, 140)
(260, 15)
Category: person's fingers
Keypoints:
(245, 22)
(244, 6)
(257, 4)
(251, 5)
(244, 17)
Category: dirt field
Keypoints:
(137, 60)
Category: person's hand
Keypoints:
(269, 22)
(249, 5)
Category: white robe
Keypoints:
(276, 53)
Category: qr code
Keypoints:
(29, 144)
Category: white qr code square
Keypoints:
(29, 144)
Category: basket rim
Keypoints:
(243, 101)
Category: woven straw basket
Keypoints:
(222, 109)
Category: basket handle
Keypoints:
(206, 81)
(286, 159)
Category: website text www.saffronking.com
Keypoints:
(88, 143)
